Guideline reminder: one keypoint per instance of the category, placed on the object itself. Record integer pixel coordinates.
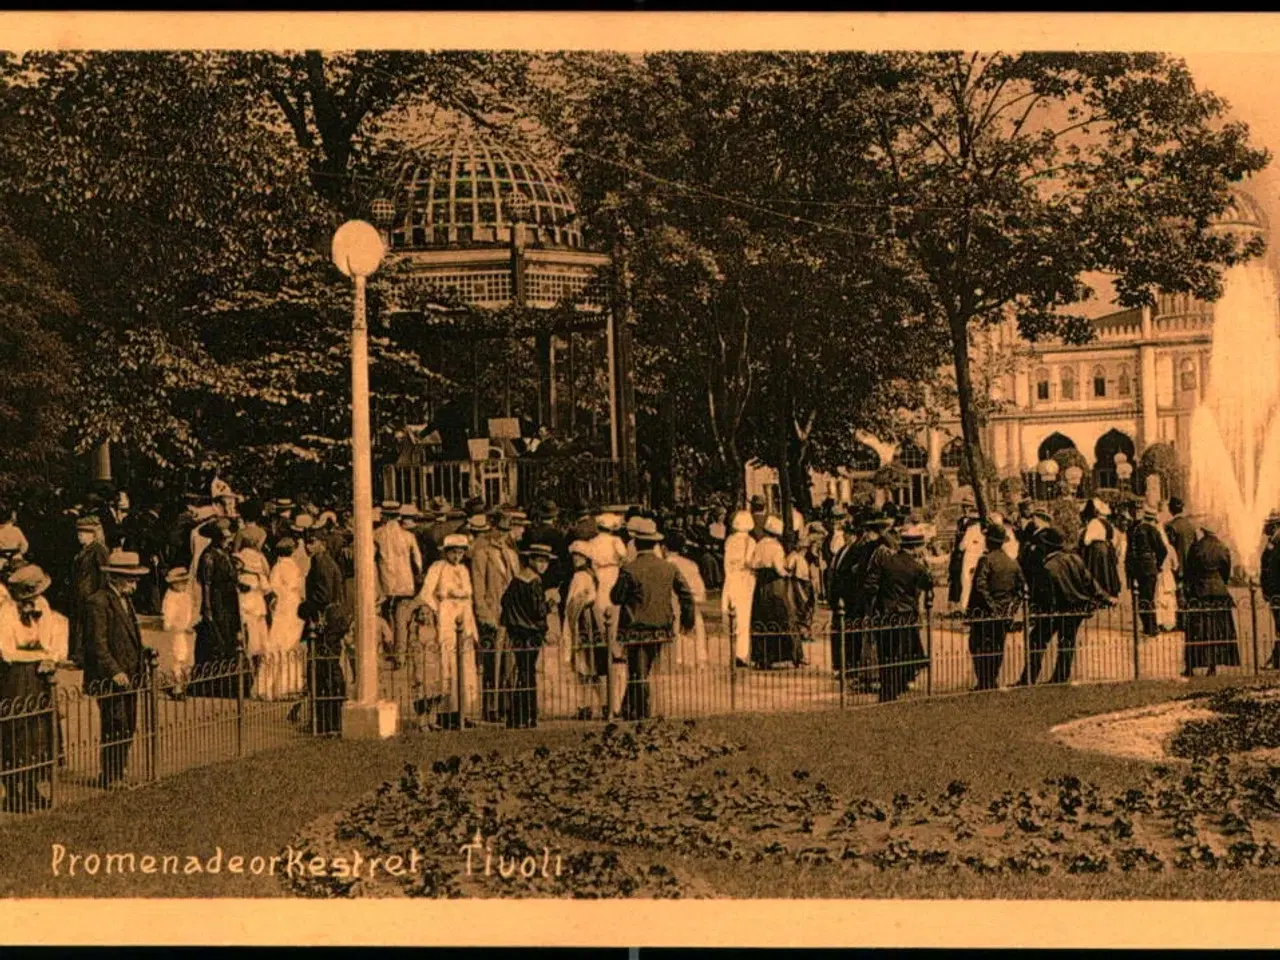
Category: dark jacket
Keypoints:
(1269, 571)
(1182, 534)
(327, 608)
(643, 591)
(997, 585)
(1068, 586)
(1208, 569)
(861, 594)
(897, 579)
(113, 640)
(1146, 551)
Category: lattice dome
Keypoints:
(453, 196)
(1242, 213)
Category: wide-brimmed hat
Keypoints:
(283, 503)
(1042, 514)
(743, 522)
(995, 535)
(643, 529)
(580, 548)
(548, 508)
(177, 575)
(1051, 539)
(440, 504)
(611, 522)
(28, 582)
(773, 525)
(408, 511)
(538, 550)
(90, 523)
(478, 524)
(125, 563)
(390, 506)
(876, 521)
(455, 541)
(455, 513)
(1100, 507)
(305, 524)
(912, 536)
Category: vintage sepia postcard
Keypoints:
(639, 479)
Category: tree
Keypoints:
(1003, 177)
(700, 155)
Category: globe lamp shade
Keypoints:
(1048, 470)
(358, 248)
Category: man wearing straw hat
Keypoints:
(494, 562)
(114, 661)
(643, 594)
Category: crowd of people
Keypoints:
(257, 596)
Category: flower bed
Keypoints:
(1244, 720)
(647, 811)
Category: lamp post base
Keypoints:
(370, 721)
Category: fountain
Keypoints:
(1235, 430)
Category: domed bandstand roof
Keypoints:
(452, 195)
(1243, 213)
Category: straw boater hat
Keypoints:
(90, 523)
(478, 524)
(28, 582)
(304, 523)
(177, 575)
(124, 563)
(390, 506)
(455, 541)
(407, 511)
(773, 525)
(743, 522)
(609, 522)
(643, 529)
(535, 550)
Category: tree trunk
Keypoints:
(969, 426)
(784, 477)
(801, 488)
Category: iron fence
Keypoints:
(75, 740)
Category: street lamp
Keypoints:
(358, 249)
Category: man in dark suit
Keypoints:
(1072, 594)
(1269, 579)
(546, 531)
(87, 579)
(895, 578)
(1181, 532)
(115, 661)
(1142, 560)
(327, 611)
(993, 599)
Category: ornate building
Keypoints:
(1135, 384)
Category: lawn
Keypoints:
(993, 743)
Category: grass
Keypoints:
(993, 742)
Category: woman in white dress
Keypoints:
(739, 584)
(255, 586)
(583, 646)
(691, 646)
(282, 672)
(1167, 584)
(972, 547)
(180, 614)
(447, 592)
(607, 553)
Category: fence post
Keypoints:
(607, 712)
(1253, 622)
(733, 657)
(840, 628)
(311, 685)
(59, 744)
(928, 643)
(1137, 623)
(240, 673)
(461, 702)
(1026, 636)
(153, 710)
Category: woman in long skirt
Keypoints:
(691, 645)
(739, 585)
(802, 594)
(1097, 546)
(583, 643)
(1167, 586)
(255, 589)
(33, 639)
(447, 592)
(1210, 618)
(281, 672)
(218, 632)
(772, 618)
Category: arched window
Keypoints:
(864, 459)
(1042, 384)
(1123, 387)
(911, 456)
(953, 454)
(1188, 374)
(1099, 382)
(1067, 377)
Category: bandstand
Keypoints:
(476, 223)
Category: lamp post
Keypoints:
(358, 249)
(518, 209)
